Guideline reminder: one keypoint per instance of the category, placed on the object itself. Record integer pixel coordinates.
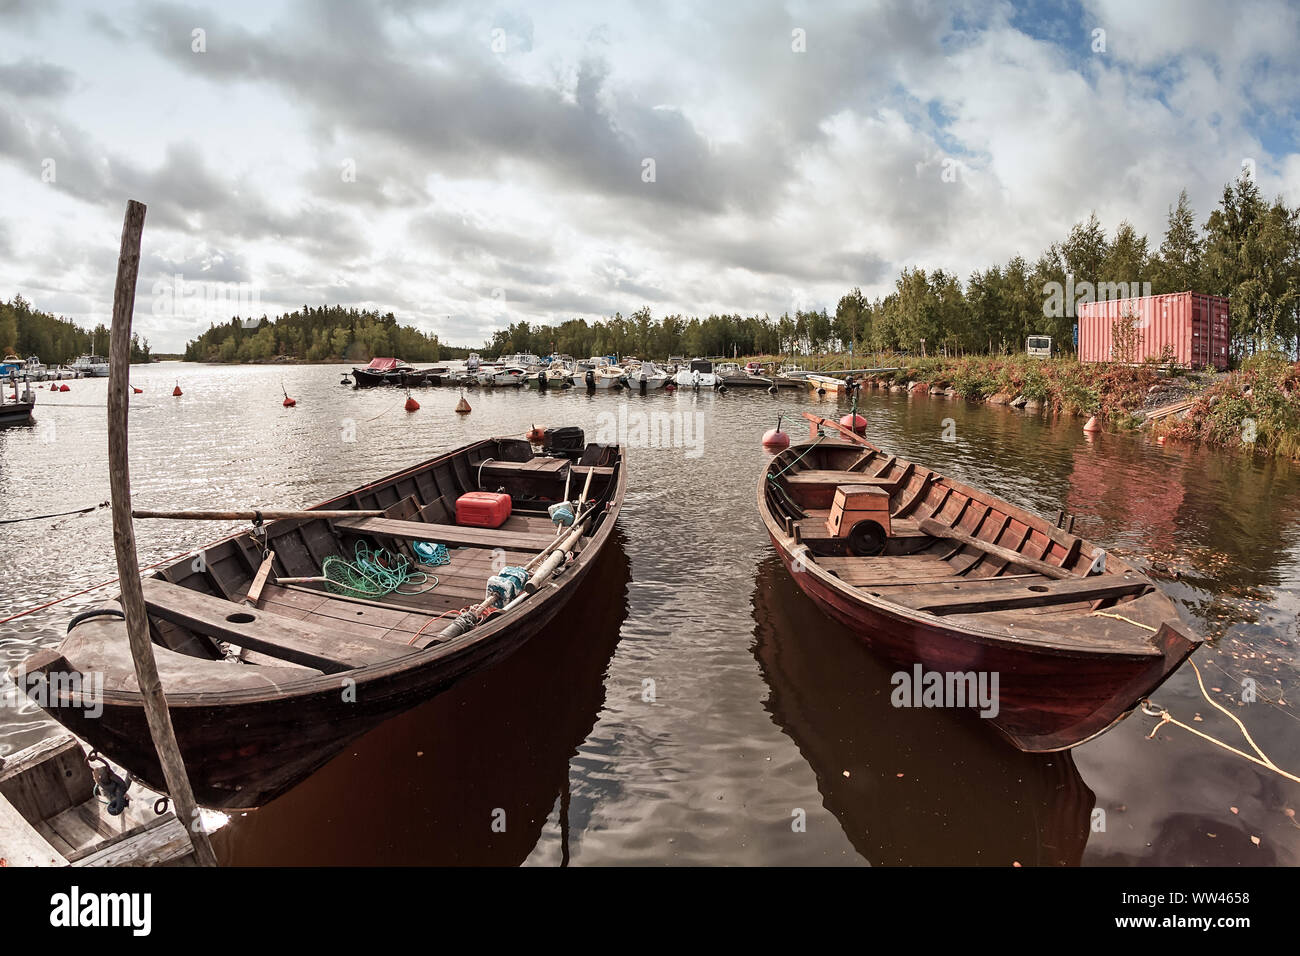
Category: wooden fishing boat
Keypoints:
(936, 575)
(268, 673)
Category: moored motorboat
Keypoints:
(509, 376)
(823, 384)
(942, 578)
(273, 655)
(16, 407)
(91, 366)
(697, 374)
(381, 371)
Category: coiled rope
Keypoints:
(373, 574)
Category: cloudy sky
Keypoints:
(470, 164)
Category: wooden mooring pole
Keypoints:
(128, 568)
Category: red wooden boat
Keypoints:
(930, 572)
(313, 667)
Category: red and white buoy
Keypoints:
(1091, 425)
(856, 422)
(135, 390)
(462, 407)
(775, 440)
(411, 404)
(288, 402)
(177, 390)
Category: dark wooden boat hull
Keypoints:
(249, 738)
(1047, 701)
(1062, 680)
(243, 755)
(16, 413)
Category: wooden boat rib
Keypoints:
(319, 669)
(968, 582)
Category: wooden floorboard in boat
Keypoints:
(860, 571)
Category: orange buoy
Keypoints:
(411, 404)
(855, 422)
(137, 391)
(64, 388)
(53, 387)
(288, 402)
(462, 407)
(1091, 425)
(536, 435)
(775, 440)
(177, 390)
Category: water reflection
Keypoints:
(427, 787)
(917, 787)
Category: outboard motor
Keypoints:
(591, 378)
(567, 442)
(541, 380)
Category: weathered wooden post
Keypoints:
(128, 568)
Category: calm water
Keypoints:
(764, 711)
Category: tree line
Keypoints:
(327, 333)
(55, 340)
(1248, 249)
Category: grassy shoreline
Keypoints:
(1254, 408)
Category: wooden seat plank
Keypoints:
(819, 477)
(327, 649)
(965, 598)
(447, 534)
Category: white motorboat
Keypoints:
(649, 375)
(511, 375)
(91, 366)
(698, 374)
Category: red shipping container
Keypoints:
(482, 509)
(1196, 328)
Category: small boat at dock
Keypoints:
(60, 806)
(939, 577)
(16, 407)
(285, 643)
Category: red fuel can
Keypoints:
(482, 509)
